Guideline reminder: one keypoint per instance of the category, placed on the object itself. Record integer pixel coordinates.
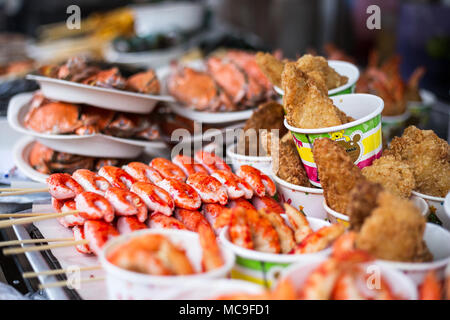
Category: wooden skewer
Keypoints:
(44, 216)
(56, 271)
(65, 283)
(44, 247)
(17, 193)
(27, 241)
(21, 215)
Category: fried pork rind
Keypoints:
(286, 162)
(319, 68)
(362, 200)
(394, 175)
(338, 174)
(305, 104)
(394, 231)
(428, 156)
(271, 67)
(269, 116)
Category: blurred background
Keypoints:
(122, 31)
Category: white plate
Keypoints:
(95, 145)
(112, 99)
(21, 152)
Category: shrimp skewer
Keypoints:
(188, 165)
(209, 188)
(156, 198)
(142, 172)
(260, 183)
(116, 177)
(62, 186)
(90, 181)
(167, 169)
(183, 194)
(126, 203)
(158, 220)
(94, 206)
(210, 161)
(236, 186)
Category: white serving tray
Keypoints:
(112, 99)
(95, 145)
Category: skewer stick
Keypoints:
(15, 189)
(44, 247)
(25, 214)
(65, 283)
(45, 216)
(18, 193)
(27, 241)
(56, 271)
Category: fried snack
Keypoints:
(267, 117)
(286, 162)
(271, 67)
(394, 175)
(338, 174)
(320, 69)
(428, 156)
(305, 104)
(362, 200)
(394, 231)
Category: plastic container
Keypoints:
(343, 68)
(420, 110)
(436, 205)
(265, 268)
(361, 138)
(264, 164)
(400, 284)
(307, 200)
(124, 284)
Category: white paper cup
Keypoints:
(438, 242)
(307, 200)
(436, 205)
(264, 164)
(343, 68)
(264, 268)
(401, 285)
(336, 217)
(447, 205)
(128, 285)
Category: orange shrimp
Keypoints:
(126, 203)
(156, 198)
(267, 203)
(209, 188)
(78, 234)
(431, 287)
(72, 220)
(167, 169)
(62, 186)
(236, 186)
(210, 161)
(98, 232)
(142, 172)
(116, 177)
(94, 206)
(212, 256)
(320, 239)
(260, 183)
(158, 220)
(211, 211)
(90, 181)
(129, 224)
(298, 222)
(188, 165)
(191, 219)
(183, 194)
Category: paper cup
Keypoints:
(447, 205)
(237, 160)
(361, 138)
(343, 68)
(336, 217)
(265, 268)
(394, 125)
(436, 205)
(438, 241)
(128, 285)
(400, 284)
(307, 200)
(420, 110)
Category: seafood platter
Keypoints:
(304, 212)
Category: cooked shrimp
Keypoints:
(129, 224)
(78, 234)
(188, 165)
(298, 222)
(191, 219)
(126, 203)
(73, 219)
(285, 234)
(241, 203)
(156, 198)
(142, 172)
(239, 229)
(260, 183)
(236, 186)
(210, 161)
(264, 236)
(116, 177)
(161, 221)
(209, 188)
(431, 287)
(174, 258)
(267, 203)
(62, 186)
(90, 181)
(98, 232)
(94, 206)
(211, 211)
(167, 169)
(183, 194)
(212, 257)
(320, 239)
(320, 283)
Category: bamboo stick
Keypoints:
(56, 271)
(28, 241)
(65, 283)
(45, 216)
(11, 251)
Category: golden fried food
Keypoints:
(362, 200)
(338, 174)
(271, 67)
(428, 156)
(319, 66)
(267, 117)
(305, 104)
(394, 175)
(286, 162)
(394, 231)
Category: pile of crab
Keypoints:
(231, 81)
